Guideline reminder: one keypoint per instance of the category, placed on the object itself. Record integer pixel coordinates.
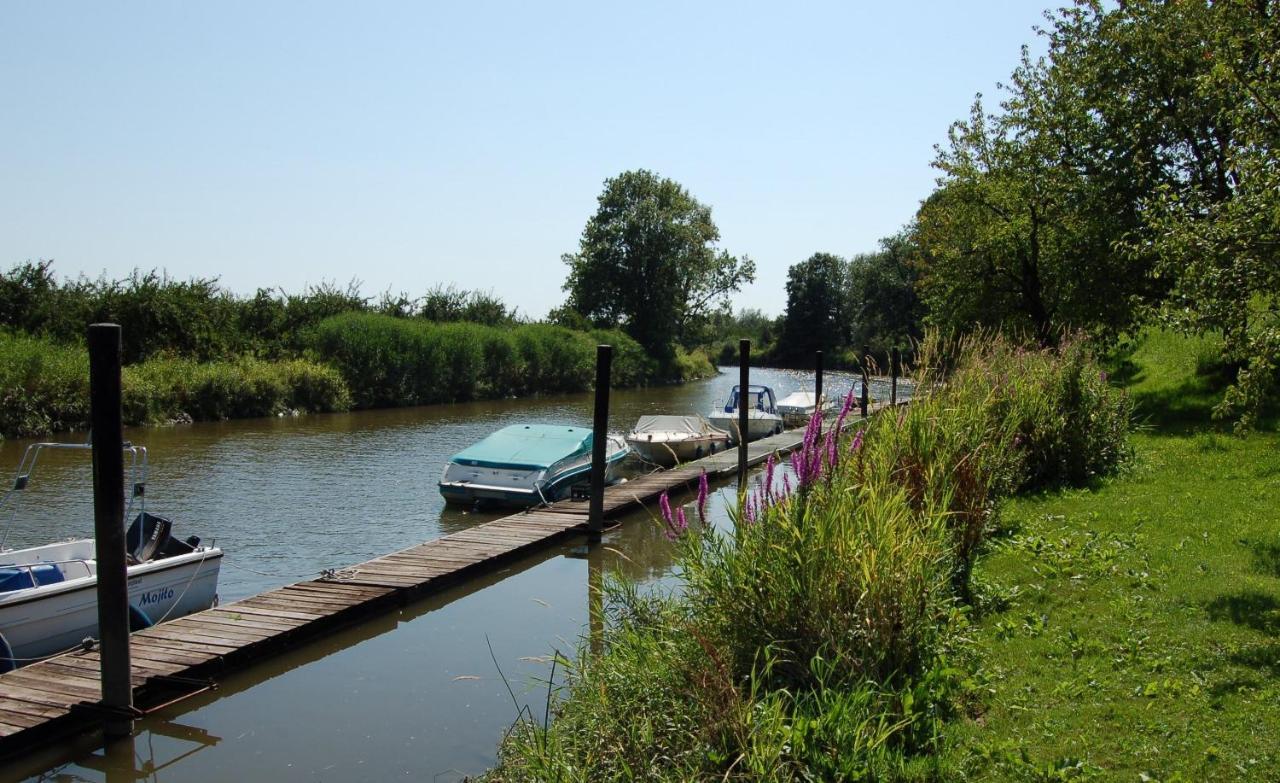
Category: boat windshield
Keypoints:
(758, 397)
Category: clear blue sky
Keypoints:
(409, 144)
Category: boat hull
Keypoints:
(42, 621)
(759, 425)
(490, 487)
(668, 452)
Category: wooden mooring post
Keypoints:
(107, 431)
(817, 379)
(895, 362)
(744, 380)
(599, 442)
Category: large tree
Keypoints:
(884, 307)
(817, 316)
(648, 260)
(1021, 231)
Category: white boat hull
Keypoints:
(41, 621)
(759, 424)
(667, 452)
(472, 485)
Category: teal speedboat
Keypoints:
(526, 464)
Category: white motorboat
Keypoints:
(763, 418)
(666, 440)
(798, 407)
(527, 464)
(48, 593)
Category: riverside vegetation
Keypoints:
(825, 636)
(193, 351)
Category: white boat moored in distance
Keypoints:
(526, 464)
(49, 593)
(666, 440)
(762, 414)
(798, 407)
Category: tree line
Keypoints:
(199, 319)
(1127, 177)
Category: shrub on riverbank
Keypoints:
(44, 387)
(394, 361)
(820, 638)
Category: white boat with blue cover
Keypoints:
(49, 595)
(526, 464)
(763, 418)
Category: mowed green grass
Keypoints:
(1132, 631)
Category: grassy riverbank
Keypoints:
(1136, 632)
(824, 638)
(44, 387)
(360, 360)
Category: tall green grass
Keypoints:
(44, 387)
(823, 637)
(393, 361)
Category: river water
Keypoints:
(424, 693)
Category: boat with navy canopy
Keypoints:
(526, 464)
(48, 593)
(762, 413)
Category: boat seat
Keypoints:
(147, 535)
(23, 577)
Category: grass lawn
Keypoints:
(1132, 631)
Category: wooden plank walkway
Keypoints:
(58, 697)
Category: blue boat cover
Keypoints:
(526, 446)
(21, 578)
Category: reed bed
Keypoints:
(44, 387)
(395, 361)
(823, 637)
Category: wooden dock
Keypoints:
(60, 696)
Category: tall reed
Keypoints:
(396, 361)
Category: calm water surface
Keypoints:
(418, 694)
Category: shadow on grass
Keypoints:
(1266, 558)
(1249, 608)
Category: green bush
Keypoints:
(44, 387)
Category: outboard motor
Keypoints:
(147, 536)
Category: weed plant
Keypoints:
(823, 637)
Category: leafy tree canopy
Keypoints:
(648, 261)
(817, 317)
(884, 308)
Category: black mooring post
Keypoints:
(599, 442)
(866, 381)
(107, 431)
(817, 380)
(744, 381)
(895, 360)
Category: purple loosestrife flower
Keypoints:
(786, 485)
(848, 403)
(664, 505)
(830, 454)
(768, 476)
(857, 441)
(702, 497)
(681, 524)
